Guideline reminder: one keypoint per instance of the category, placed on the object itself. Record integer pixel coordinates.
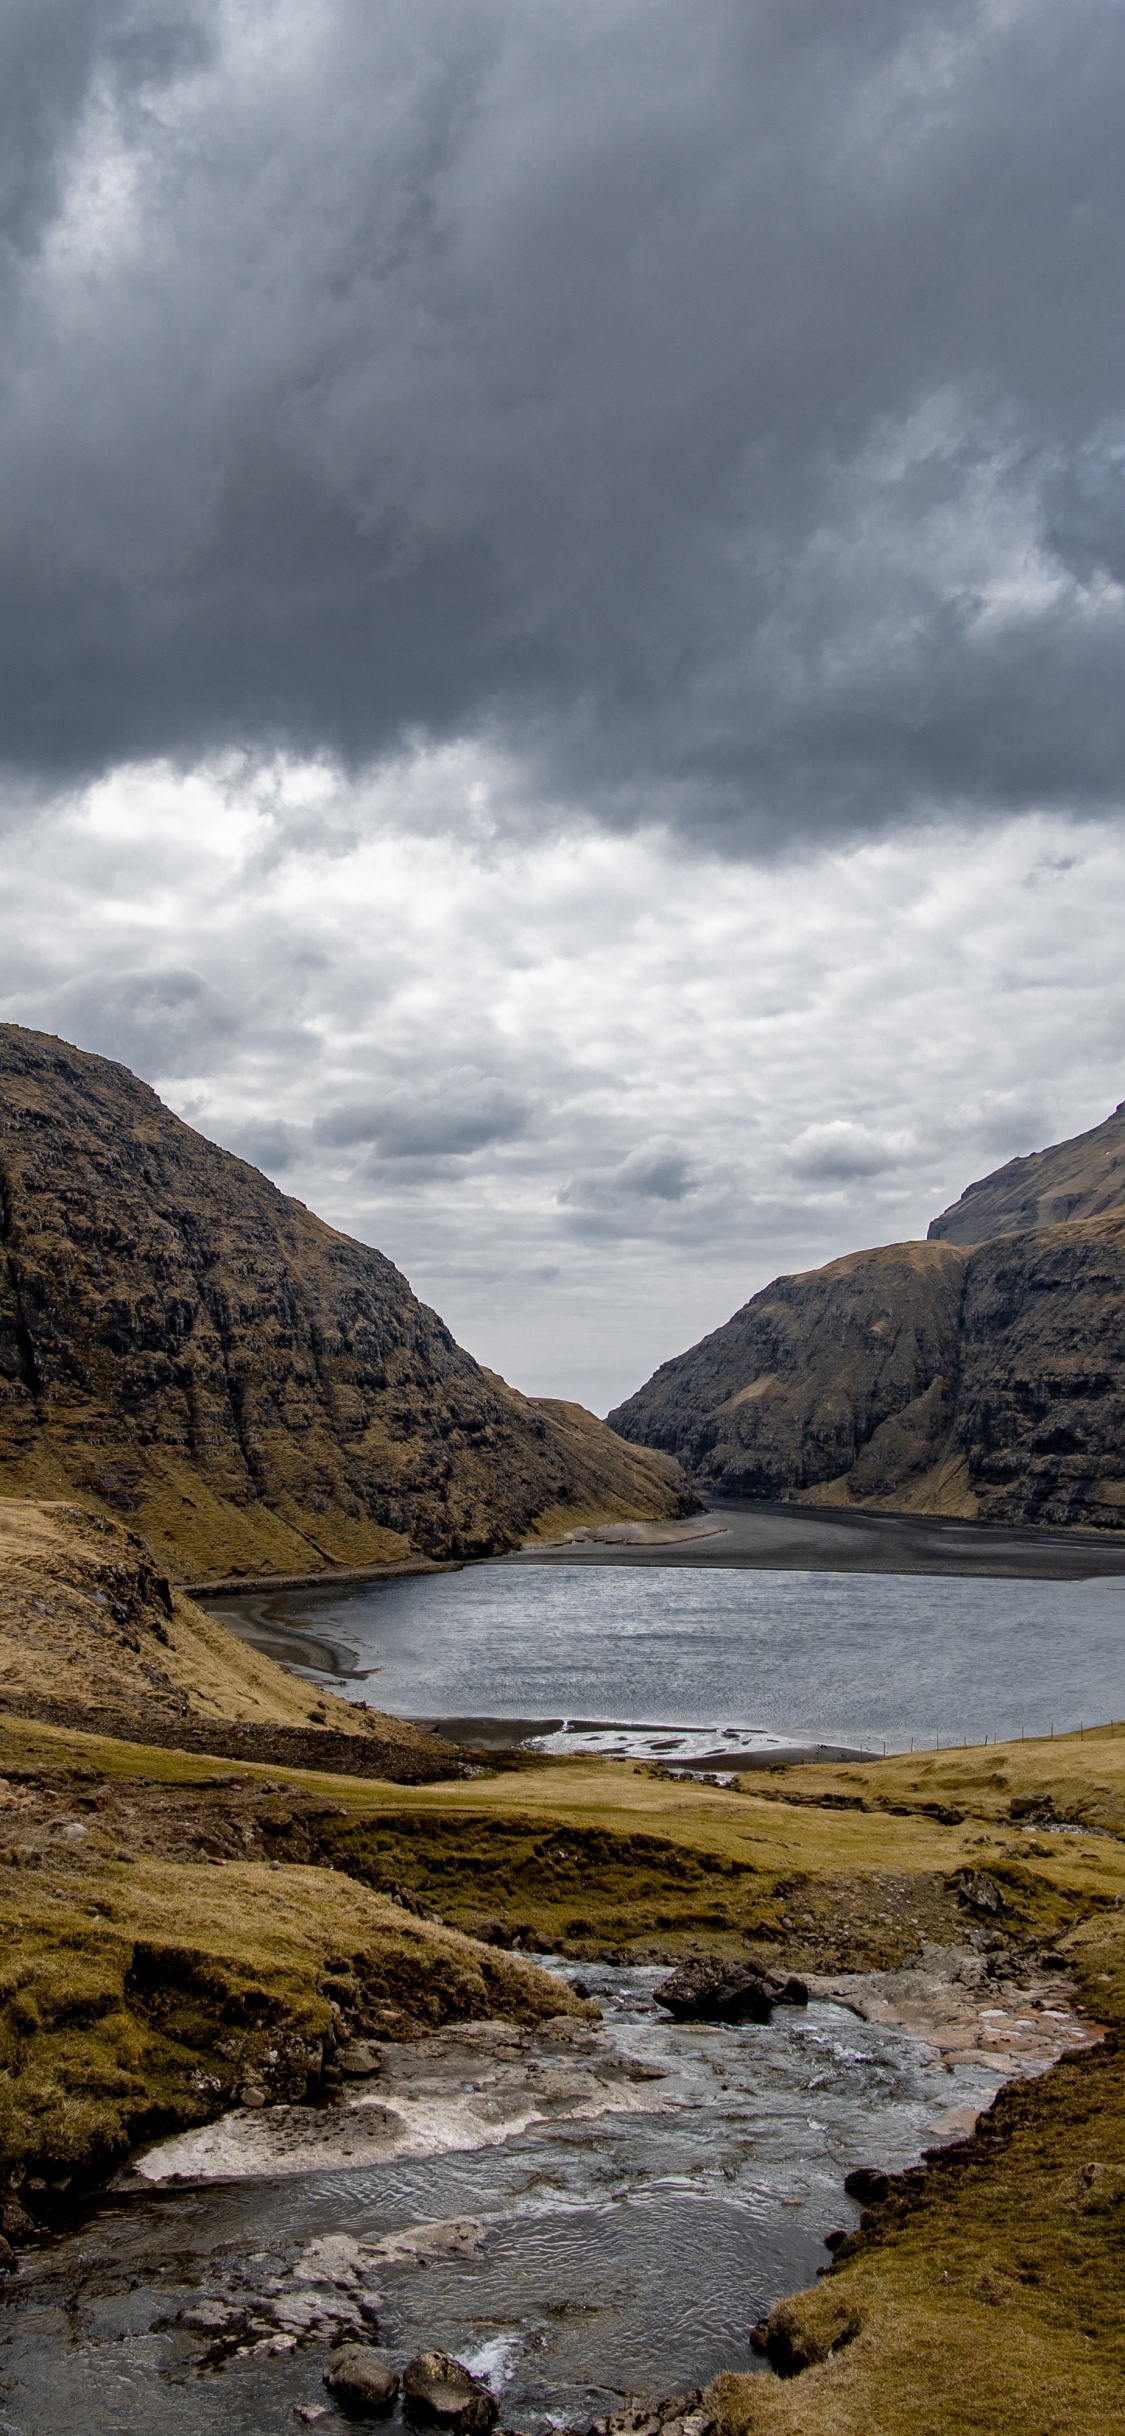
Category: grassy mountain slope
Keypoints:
(92, 1636)
(183, 1344)
(920, 1377)
(1082, 1178)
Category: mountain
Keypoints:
(979, 1378)
(1079, 1179)
(184, 1345)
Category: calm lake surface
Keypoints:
(805, 1657)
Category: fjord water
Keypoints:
(809, 1657)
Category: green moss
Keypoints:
(517, 1875)
(151, 2014)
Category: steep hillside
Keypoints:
(1039, 1418)
(1082, 1178)
(919, 1377)
(182, 1344)
(813, 1375)
(92, 1637)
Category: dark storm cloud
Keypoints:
(719, 407)
(464, 1113)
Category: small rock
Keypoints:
(439, 2392)
(357, 2060)
(15, 2221)
(309, 2412)
(8, 2259)
(981, 1894)
(361, 2381)
(1101, 2188)
(252, 2096)
(681, 2415)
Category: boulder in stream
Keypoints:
(439, 2392)
(362, 2381)
(714, 1991)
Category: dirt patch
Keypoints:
(409, 1757)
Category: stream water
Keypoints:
(672, 2182)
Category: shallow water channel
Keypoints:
(574, 2215)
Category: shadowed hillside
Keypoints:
(927, 1377)
(184, 1345)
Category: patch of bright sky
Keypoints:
(588, 1092)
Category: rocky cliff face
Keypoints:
(1039, 1415)
(184, 1345)
(925, 1377)
(801, 1382)
(1082, 1178)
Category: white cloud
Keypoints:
(588, 1093)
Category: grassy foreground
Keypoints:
(143, 1986)
(142, 1993)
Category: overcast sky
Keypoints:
(561, 615)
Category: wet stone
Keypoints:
(362, 2381)
(358, 2060)
(713, 1991)
(439, 2392)
(680, 2415)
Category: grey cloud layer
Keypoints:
(589, 1092)
(721, 405)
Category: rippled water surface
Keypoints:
(634, 2252)
(857, 1658)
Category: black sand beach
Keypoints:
(827, 1539)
